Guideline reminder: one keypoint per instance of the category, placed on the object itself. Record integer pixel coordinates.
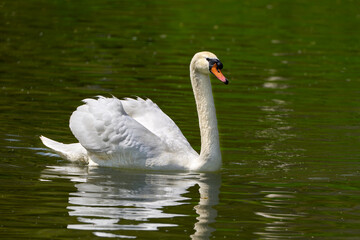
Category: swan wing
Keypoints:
(103, 128)
(148, 114)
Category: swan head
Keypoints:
(206, 63)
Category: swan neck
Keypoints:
(210, 156)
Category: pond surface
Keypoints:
(289, 120)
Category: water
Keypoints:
(289, 120)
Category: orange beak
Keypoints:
(216, 71)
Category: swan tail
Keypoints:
(73, 152)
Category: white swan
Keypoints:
(135, 133)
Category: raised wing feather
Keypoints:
(148, 114)
(102, 126)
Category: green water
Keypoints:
(289, 120)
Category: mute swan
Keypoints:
(135, 133)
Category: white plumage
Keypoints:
(136, 133)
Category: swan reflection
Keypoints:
(109, 201)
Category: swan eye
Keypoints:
(213, 61)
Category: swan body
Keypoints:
(137, 134)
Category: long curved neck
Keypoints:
(210, 155)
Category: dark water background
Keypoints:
(289, 120)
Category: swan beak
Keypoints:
(216, 71)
